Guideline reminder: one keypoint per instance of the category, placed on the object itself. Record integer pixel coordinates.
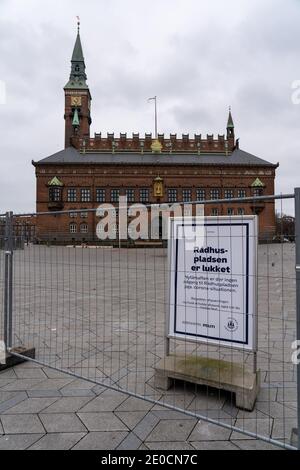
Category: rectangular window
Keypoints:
(85, 195)
(228, 193)
(144, 195)
(214, 193)
(186, 195)
(257, 191)
(100, 195)
(72, 195)
(214, 211)
(172, 195)
(84, 214)
(73, 214)
(230, 211)
(200, 194)
(130, 195)
(55, 194)
(114, 195)
(241, 211)
(241, 193)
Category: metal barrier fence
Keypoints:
(98, 310)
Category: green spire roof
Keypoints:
(77, 55)
(55, 182)
(75, 121)
(230, 121)
(257, 183)
(77, 76)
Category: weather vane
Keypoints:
(78, 23)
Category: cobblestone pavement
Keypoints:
(44, 409)
(100, 313)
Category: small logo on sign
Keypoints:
(232, 325)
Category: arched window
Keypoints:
(84, 228)
(73, 228)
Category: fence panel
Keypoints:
(97, 309)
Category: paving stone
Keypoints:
(18, 441)
(131, 418)
(145, 426)
(62, 422)
(205, 431)
(101, 441)
(51, 384)
(22, 384)
(43, 393)
(170, 414)
(67, 405)
(131, 442)
(102, 421)
(8, 374)
(170, 430)
(4, 396)
(248, 444)
(134, 404)
(54, 374)
(58, 441)
(28, 424)
(282, 428)
(31, 405)
(78, 385)
(30, 373)
(77, 393)
(257, 426)
(14, 400)
(106, 401)
(276, 410)
(214, 445)
(180, 445)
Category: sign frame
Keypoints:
(171, 303)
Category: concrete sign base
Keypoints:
(235, 378)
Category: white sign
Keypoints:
(213, 262)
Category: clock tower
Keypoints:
(77, 98)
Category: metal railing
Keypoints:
(97, 310)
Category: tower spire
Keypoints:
(77, 76)
(230, 126)
(77, 98)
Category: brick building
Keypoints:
(90, 171)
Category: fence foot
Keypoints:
(162, 382)
(12, 360)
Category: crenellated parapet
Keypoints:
(144, 143)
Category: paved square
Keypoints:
(100, 313)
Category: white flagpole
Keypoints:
(155, 114)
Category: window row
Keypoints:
(173, 194)
(82, 228)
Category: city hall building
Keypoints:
(92, 170)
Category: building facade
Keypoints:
(147, 169)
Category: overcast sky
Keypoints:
(198, 57)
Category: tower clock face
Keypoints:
(75, 100)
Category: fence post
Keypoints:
(297, 243)
(8, 280)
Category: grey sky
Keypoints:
(199, 57)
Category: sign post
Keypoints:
(213, 300)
